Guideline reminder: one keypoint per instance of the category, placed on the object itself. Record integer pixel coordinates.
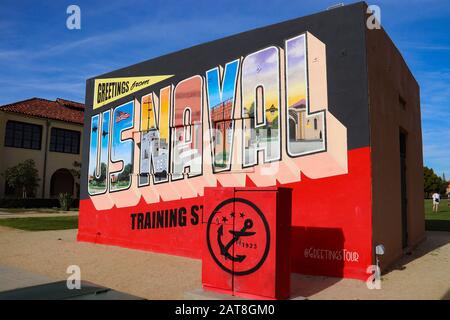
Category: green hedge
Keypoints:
(34, 203)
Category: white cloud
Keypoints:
(273, 58)
(297, 48)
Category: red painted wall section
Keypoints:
(114, 227)
(331, 215)
(331, 224)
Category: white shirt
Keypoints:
(436, 197)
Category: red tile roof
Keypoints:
(63, 110)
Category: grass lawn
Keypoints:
(41, 223)
(437, 221)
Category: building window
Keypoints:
(23, 135)
(66, 141)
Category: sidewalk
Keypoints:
(422, 275)
(32, 213)
(139, 273)
(14, 278)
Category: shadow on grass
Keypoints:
(437, 225)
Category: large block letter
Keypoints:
(187, 131)
(154, 151)
(305, 129)
(122, 149)
(99, 156)
(221, 94)
(261, 105)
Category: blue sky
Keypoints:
(218, 93)
(39, 56)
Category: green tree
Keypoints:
(432, 182)
(23, 178)
(76, 171)
(125, 174)
(275, 122)
(101, 181)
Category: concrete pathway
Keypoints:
(14, 278)
(140, 273)
(423, 275)
(28, 214)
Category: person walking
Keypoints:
(436, 199)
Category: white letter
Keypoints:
(73, 281)
(374, 20)
(374, 280)
(74, 20)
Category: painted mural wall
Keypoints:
(170, 144)
(255, 118)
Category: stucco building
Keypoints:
(50, 133)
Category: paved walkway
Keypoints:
(14, 278)
(27, 214)
(140, 273)
(422, 275)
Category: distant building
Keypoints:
(50, 133)
(303, 127)
(221, 126)
(158, 147)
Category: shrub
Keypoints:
(65, 201)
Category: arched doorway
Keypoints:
(292, 129)
(61, 182)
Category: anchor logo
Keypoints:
(248, 224)
(238, 236)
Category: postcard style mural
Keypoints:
(231, 117)
(257, 111)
